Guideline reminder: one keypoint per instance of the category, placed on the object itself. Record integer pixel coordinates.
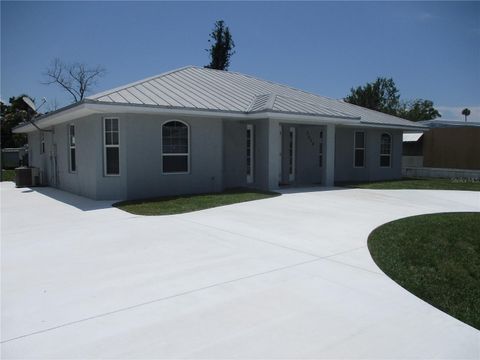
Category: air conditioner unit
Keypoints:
(27, 176)
(36, 181)
(23, 177)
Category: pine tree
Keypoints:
(221, 48)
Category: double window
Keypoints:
(111, 147)
(385, 150)
(359, 149)
(72, 160)
(175, 147)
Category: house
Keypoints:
(448, 145)
(194, 130)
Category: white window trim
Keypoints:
(321, 146)
(364, 148)
(105, 146)
(291, 174)
(250, 177)
(176, 154)
(389, 154)
(70, 147)
(42, 142)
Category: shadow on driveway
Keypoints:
(79, 202)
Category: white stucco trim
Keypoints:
(329, 158)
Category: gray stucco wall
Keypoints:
(142, 153)
(344, 142)
(217, 156)
(84, 180)
(234, 150)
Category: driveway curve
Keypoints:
(286, 277)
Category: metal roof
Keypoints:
(207, 89)
(412, 137)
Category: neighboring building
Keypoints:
(446, 145)
(14, 157)
(196, 130)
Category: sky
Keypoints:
(430, 49)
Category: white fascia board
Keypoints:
(88, 107)
(62, 116)
(393, 126)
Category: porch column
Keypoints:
(274, 153)
(330, 156)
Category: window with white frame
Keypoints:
(385, 150)
(72, 160)
(175, 147)
(111, 147)
(42, 142)
(359, 149)
(249, 154)
(291, 154)
(320, 149)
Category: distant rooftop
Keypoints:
(442, 123)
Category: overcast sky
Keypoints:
(430, 49)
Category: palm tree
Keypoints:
(466, 112)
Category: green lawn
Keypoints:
(431, 184)
(187, 203)
(437, 258)
(8, 175)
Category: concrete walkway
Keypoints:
(287, 277)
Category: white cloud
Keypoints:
(455, 113)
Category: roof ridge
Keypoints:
(138, 82)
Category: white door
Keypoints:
(250, 154)
(291, 154)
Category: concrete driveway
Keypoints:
(287, 277)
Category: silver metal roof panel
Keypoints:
(207, 89)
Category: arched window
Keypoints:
(175, 147)
(385, 150)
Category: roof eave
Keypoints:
(87, 107)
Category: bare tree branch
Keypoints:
(77, 79)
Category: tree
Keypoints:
(381, 95)
(466, 113)
(12, 115)
(418, 110)
(221, 48)
(77, 79)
